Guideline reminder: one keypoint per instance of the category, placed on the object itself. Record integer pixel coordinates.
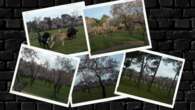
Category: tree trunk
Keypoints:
(124, 21)
(169, 91)
(125, 69)
(153, 77)
(32, 81)
(55, 90)
(130, 74)
(57, 85)
(141, 72)
(58, 88)
(87, 88)
(102, 86)
(34, 75)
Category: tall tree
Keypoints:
(154, 69)
(63, 67)
(35, 70)
(131, 58)
(99, 67)
(31, 55)
(177, 67)
(143, 65)
(144, 59)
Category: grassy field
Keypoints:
(115, 41)
(95, 93)
(41, 89)
(129, 87)
(70, 46)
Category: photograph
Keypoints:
(151, 77)
(96, 80)
(58, 28)
(44, 76)
(116, 27)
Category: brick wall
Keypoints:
(171, 23)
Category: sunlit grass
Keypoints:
(115, 41)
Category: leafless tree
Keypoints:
(99, 67)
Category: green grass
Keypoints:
(70, 46)
(130, 87)
(115, 41)
(95, 94)
(41, 89)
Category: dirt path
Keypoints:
(129, 45)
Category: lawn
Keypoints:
(41, 89)
(129, 87)
(115, 41)
(95, 94)
(70, 46)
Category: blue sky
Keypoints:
(53, 12)
(98, 12)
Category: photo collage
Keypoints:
(78, 55)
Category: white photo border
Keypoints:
(150, 100)
(27, 95)
(99, 100)
(26, 28)
(149, 46)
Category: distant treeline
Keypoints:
(159, 81)
(54, 23)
